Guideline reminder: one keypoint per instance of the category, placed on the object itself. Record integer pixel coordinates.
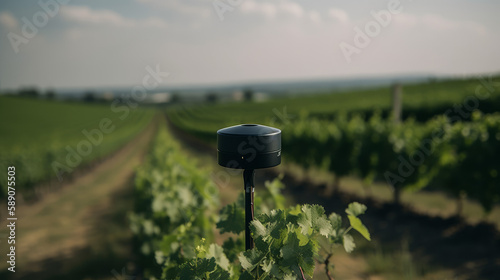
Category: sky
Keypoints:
(86, 44)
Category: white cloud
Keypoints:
(154, 22)
(269, 10)
(405, 20)
(314, 16)
(444, 24)
(282, 7)
(84, 14)
(8, 20)
(291, 8)
(437, 22)
(181, 7)
(339, 15)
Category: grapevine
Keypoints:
(176, 208)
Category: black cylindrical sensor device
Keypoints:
(249, 146)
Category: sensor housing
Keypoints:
(249, 146)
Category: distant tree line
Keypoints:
(214, 97)
(50, 94)
(94, 97)
(32, 92)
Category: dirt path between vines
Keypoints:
(81, 230)
(418, 245)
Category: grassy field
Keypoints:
(38, 133)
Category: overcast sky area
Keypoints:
(109, 43)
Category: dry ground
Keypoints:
(81, 231)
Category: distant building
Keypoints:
(162, 97)
(108, 96)
(260, 97)
(238, 95)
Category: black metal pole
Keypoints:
(248, 175)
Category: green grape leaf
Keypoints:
(295, 255)
(169, 243)
(336, 220)
(219, 273)
(246, 276)
(274, 187)
(159, 257)
(277, 225)
(260, 233)
(313, 217)
(232, 248)
(197, 269)
(232, 219)
(295, 210)
(358, 225)
(348, 242)
(355, 209)
(261, 244)
(270, 267)
(186, 197)
(267, 265)
(250, 259)
(215, 251)
(258, 229)
(303, 240)
(171, 272)
(269, 225)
